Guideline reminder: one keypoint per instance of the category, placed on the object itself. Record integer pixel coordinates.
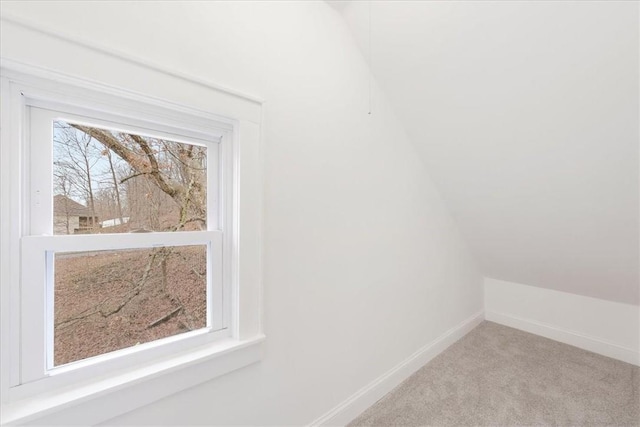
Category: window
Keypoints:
(124, 242)
(112, 284)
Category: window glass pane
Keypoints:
(106, 181)
(109, 300)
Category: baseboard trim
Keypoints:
(576, 339)
(354, 405)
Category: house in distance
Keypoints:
(71, 217)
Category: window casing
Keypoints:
(28, 369)
(38, 244)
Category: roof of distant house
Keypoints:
(62, 206)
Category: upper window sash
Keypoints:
(39, 200)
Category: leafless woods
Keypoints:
(108, 181)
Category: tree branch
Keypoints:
(123, 180)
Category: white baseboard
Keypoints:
(353, 406)
(605, 327)
(585, 342)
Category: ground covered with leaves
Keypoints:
(110, 300)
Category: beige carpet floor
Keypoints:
(499, 376)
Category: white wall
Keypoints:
(527, 116)
(604, 327)
(362, 263)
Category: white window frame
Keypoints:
(32, 389)
(34, 360)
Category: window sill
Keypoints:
(106, 398)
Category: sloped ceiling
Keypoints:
(526, 114)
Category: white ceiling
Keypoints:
(526, 114)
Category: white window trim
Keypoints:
(39, 242)
(168, 371)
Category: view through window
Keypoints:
(107, 181)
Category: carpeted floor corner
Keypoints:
(499, 376)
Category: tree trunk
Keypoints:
(115, 185)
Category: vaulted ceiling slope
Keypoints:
(527, 116)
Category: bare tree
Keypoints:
(176, 169)
(62, 186)
(116, 187)
(80, 156)
(163, 184)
